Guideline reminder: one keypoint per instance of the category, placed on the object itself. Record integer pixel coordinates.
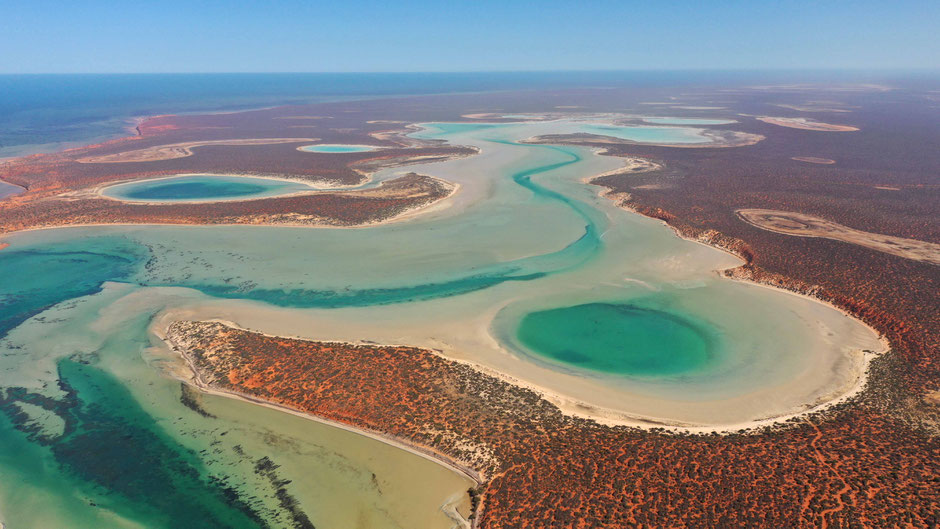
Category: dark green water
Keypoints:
(34, 279)
(615, 338)
(117, 456)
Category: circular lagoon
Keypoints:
(337, 148)
(618, 338)
(202, 188)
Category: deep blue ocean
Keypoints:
(44, 113)
(49, 112)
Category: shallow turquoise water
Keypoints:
(534, 240)
(338, 148)
(648, 134)
(117, 455)
(34, 279)
(619, 338)
(114, 453)
(193, 188)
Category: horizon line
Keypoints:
(851, 69)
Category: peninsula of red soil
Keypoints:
(541, 468)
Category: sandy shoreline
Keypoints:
(578, 407)
(862, 360)
(441, 459)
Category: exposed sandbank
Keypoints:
(806, 124)
(180, 150)
(803, 225)
(813, 159)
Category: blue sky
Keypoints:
(294, 36)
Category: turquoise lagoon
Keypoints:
(338, 148)
(619, 338)
(202, 188)
(528, 272)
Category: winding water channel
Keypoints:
(526, 271)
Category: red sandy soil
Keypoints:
(541, 468)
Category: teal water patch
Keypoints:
(34, 279)
(93, 260)
(643, 134)
(195, 190)
(337, 148)
(332, 299)
(191, 188)
(114, 454)
(688, 121)
(618, 338)
(443, 129)
(526, 269)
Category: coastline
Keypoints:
(449, 507)
(567, 404)
(574, 407)
(421, 451)
(862, 360)
(859, 363)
